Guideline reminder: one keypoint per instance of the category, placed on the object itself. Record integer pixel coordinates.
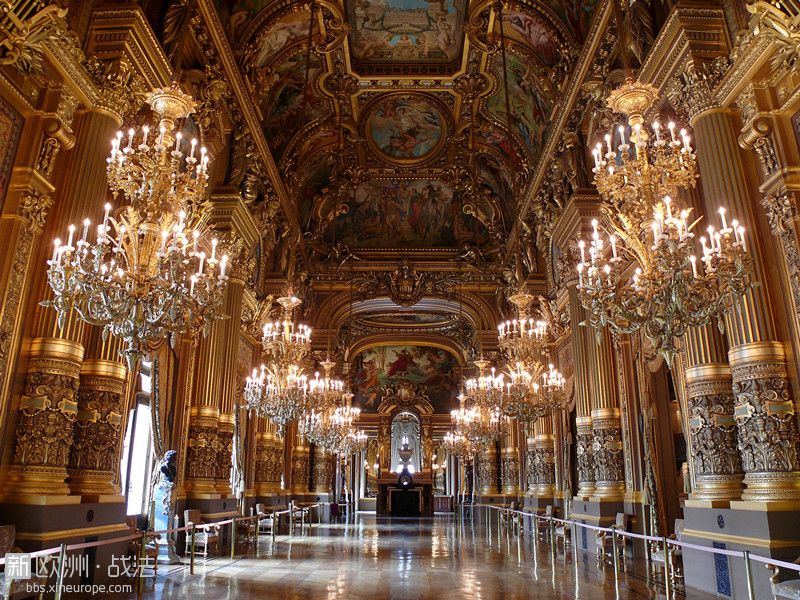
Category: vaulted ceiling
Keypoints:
(372, 129)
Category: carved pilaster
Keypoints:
(301, 469)
(769, 442)
(224, 458)
(94, 458)
(487, 472)
(691, 92)
(715, 456)
(323, 471)
(269, 463)
(509, 469)
(780, 207)
(584, 458)
(201, 457)
(47, 411)
(609, 466)
(541, 466)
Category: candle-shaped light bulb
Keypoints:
(178, 137)
(722, 216)
(86, 223)
(56, 246)
(194, 145)
(193, 280)
(222, 266)
(608, 142)
(145, 132)
(741, 237)
(693, 260)
(622, 135)
(582, 246)
(657, 130)
(130, 137)
(107, 208)
(613, 240)
(214, 243)
(671, 127)
(71, 229)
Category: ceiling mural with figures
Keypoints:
(406, 212)
(405, 31)
(432, 370)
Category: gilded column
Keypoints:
(764, 410)
(606, 425)
(94, 457)
(576, 216)
(509, 462)
(323, 471)
(541, 459)
(269, 460)
(49, 405)
(716, 466)
(487, 469)
(301, 466)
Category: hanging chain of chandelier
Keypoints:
(148, 272)
(645, 268)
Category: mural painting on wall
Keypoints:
(432, 369)
(415, 212)
(406, 30)
(529, 110)
(405, 127)
(282, 102)
(10, 128)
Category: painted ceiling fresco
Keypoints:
(406, 212)
(382, 102)
(405, 127)
(406, 31)
(529, 108)
(434, 370)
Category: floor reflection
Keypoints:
(402, 559)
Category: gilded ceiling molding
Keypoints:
(562, 111)
(247, 106)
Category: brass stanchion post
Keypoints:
(191, 551)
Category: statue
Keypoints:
(166, 490)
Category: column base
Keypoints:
(91, 483)
(36, 480)
(771, 486)
(717, 487)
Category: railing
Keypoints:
(665, 544)
(192, 529)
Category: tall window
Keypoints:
(137, 455)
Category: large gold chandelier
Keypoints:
(534, 387)
(333, 427)
(649, 273)
(281, 390)
(457, 444)
(480, 423)
(280, 394)
(148, 271)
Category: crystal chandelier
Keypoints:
(148, 271)
(485, 390)
(527, 396)
(286, 344)
(280, 394)
(648, 273)
(457, 444)
(333, 428)
(481, 425)
(325, 392)
(524, 339)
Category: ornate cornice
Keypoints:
(246, 104)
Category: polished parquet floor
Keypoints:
(372, 558)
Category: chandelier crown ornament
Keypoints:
(646, 271)
(148, 271)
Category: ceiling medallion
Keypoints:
(405, 129)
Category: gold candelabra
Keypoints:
(647, 273)
(148, 271)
